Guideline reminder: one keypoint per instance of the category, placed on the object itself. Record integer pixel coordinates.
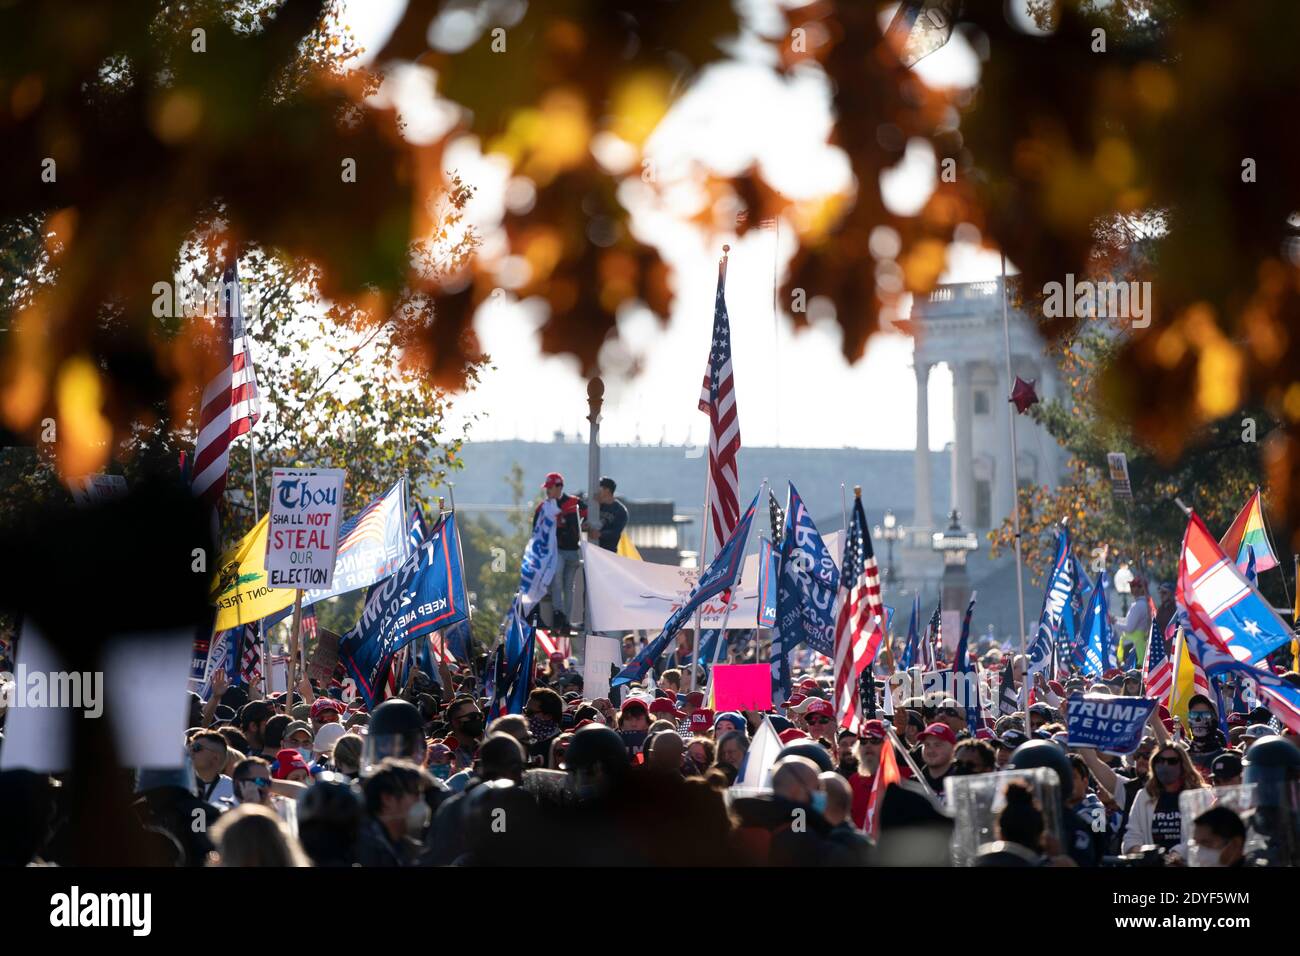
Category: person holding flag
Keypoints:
(965, 676)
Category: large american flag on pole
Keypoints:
(230, 405)
(718, 400)
(859, 617)
(250, 654)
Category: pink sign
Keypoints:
(742, 687)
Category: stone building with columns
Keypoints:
(960, 325)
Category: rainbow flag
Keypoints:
(1247, 530)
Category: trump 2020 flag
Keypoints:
(1246, 623)
(514, 682)
(540, 558)
(807, 584)
(425, 595)
(722, 573)
(1061, 584)
(1098, 641)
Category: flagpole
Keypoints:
(705, 514)
(1015, 489)
(261, 624)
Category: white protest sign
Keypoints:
(97, 489)
(302, 542)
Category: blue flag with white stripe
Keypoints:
(1061, 584)
(722, 573)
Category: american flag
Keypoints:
(777, 515)
(230, 405)
(250, 654)
(718, 399)
(419, 530)
(859, 618)
(1157, 669)
(932, 639)
(553, 645)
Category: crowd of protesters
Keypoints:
(427, 779)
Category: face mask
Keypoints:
(1207, 856)
(441, 770)
(305, 753)
(542, 727)
(819, 801)
(1167, 775)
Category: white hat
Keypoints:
(327, 737)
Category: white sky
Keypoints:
(735, 113)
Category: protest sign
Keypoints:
(602, 654)
(303, 542)
(324, 657)
(742, 687)
(97, 489)
(1110, 724)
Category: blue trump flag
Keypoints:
(1111, 724)
(719, 576)
(913, 636)
(1056, 600)
(1072, 622)
(1097, 638)
(515, 681)
(425, 595)
(768, 562)
(807, 584)
(965, 678)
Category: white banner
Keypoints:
(306, 505)
(624, 594)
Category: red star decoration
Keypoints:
(1023, 394)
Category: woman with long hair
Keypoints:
(252, 835)
(1155, 818)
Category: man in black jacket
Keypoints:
(613, 516)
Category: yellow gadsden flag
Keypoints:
(240, 592)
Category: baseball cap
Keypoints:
(791, 735)
(1255, 731)
(873, 730)
(794, 700)
(1227, 764)
(634, 703)
(1011, 738)
(695, 699)
(818, 706)
(552, 479)
(663, 705)
(942, 731)
(701, 721)
(808, 683)
(296, 727)
(327, 737)
(322, 704)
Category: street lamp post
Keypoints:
(889, 533)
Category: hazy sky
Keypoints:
(734, 115)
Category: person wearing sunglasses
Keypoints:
(208, 750)
(953, 714)
(1208, 741)
(252, 782)
(819, 718)
(1155, 818)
